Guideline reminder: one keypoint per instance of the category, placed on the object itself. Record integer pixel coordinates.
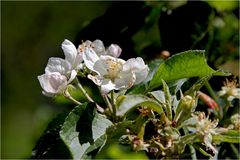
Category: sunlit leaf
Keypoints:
(72, 132)
(186, 64)
(130, 102)
(223, 5)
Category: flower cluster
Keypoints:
(105, 69)
(60, 72)
(205, 128)
(230, 90)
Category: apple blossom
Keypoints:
(60, 72)
(114, 73)
(205, 128)
(230, 90)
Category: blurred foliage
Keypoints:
(33, 31)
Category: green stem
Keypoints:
(106, 100)
(211, 92)
(84, 91)
(99, 108)
(69, 97)
(113, 105)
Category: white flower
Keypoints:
(230, 90)
(205, 128)
(114, 73)
(60, 72)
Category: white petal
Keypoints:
(72, 76)
(90, 58)
(230, 98)
(137, 66)
(57, 65)
(223, 91)
(78, 62)
(236, 92)
(134, 64)
(114, 50)
(107, 86)
(70, 51)
(141, 75)
(126, 80)
(208, 142)
(100, 67)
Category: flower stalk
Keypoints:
(67, 95)
(99, 108)
(113, 106)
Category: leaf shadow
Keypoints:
(84, 125)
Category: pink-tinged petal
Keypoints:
(53, 83)
(57, 65)
(70, 51)
(114, 50)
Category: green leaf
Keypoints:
(72, 132)
(232, 136)
(119, 129)
(159, 96)
(186, 64)
(130, 102)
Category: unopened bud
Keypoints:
(114, 50)
(208, 100)
(98, 46)
(184, 108)
(235, 120)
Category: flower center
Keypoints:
(114, 67)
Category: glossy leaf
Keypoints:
(73, 134)
(186, 64)
(129, 102)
